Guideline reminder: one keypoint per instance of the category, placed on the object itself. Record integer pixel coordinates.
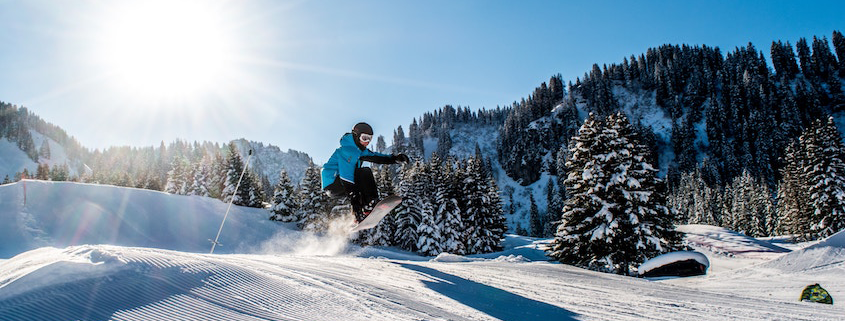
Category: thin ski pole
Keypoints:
(238, 186)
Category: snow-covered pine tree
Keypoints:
(250, 192)
(483, 218)
(429, 239)
(825, 177)
(199, 183)
(409, 213)
(573, 243)
(179, 177)
(793, 211)
(494, 223)
(428, 229)
(256, 190)
(313, 201)
(738, 197)
(751, 206)
(217, 177)
(473, 200)
(446, 202)
(648, 225)
(284, 203)
(616, 217)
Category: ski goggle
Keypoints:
(365, 138)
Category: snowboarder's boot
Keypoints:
(362, 212)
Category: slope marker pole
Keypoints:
(238, 186)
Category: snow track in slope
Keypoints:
(134, 283)
(121, 283)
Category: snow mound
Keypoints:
(825, 257)
(672, 257)
(453, 258)
(511, 259)
(61, 214)
(835, 240)
(720, 240)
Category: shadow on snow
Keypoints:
(495, 302)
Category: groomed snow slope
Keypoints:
(280, 273)
(110, 282)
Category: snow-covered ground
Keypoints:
(147, 259)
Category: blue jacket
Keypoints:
(347, 158)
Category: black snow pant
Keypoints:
(361, 193)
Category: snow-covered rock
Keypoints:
(673, 257)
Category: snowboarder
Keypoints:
(343, 175)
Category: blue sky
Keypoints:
(298, 74)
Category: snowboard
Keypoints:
(379, 211)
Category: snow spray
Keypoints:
(332, 242)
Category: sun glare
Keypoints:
(164, 49)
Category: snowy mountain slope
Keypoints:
(465, 137)
(280, 273)
(270, 160)
(62, 214)
(13, 160)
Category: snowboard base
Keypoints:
(379, 212)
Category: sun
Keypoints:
(165, 49)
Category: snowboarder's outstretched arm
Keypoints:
(379, 158)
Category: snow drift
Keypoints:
(61, 214)
(826, 257)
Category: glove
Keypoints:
(401, 158)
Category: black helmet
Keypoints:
(362, 128)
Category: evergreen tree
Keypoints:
(409, 213)
(42, 172)
(179, 177)
(555, 205)
(793, 210)
(535, 221)
(249, 192)
(615, 218)
(493, 225)
(429, 239)
(812, 190)
(313, 202)
(447, 210)
(804, 58)
(44, 152)
(381, 146)
(59, 173)
(839, 47)
(825, 177)
(473, 200)
(283, 205)
(751, 207)
(200, 182)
